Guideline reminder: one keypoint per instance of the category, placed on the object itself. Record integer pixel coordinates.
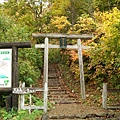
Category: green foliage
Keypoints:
(10, 31)
(20, 115)
(26, 116)
(8, 115)
(30, 63)
(35, 100)
(59, 7)
(106, 5)
(54, 56)
(59, 24)
(105, 57)
(30, 60)
(84, 25)
(14, 114)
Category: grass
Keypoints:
(14, 114)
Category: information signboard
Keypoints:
(5, 68)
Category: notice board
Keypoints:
(5, 68)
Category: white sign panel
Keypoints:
(5, 68)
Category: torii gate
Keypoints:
(79, 46)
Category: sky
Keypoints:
(1, 1)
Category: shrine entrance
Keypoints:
(63, 44)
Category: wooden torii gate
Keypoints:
(79, 46)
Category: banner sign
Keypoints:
(5, 68)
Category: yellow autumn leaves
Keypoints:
(60, 23)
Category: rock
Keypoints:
(81, 116)
(96, 119)
(61, 116)
(91, 116)
(53, 117)
(111, 119)
(101, 114)
(70, 116)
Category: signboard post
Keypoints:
(5, 68)
(9, 69)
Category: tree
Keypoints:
(107, 5)
(105, 64)
(59, 24)
(10, 31)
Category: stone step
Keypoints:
(62, 99)
(51, 77)
(52, 73)
(64, 102)
(53, 81)
(55, 87)
(58, 88)
(52, 85)
(59, 96)
(56, 92)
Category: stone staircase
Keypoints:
(57, 92)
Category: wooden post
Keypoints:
(46, 61)
(19, 97)
(22, 99)
(104, 96)
(14, 75)
(82, 82)
(45, 97)
(30, 98)
(8, 103)
(45, 74)
(30, 104)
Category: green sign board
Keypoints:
(63, 43)
(5, 68)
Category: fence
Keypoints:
(104, 97)
(22, 91)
